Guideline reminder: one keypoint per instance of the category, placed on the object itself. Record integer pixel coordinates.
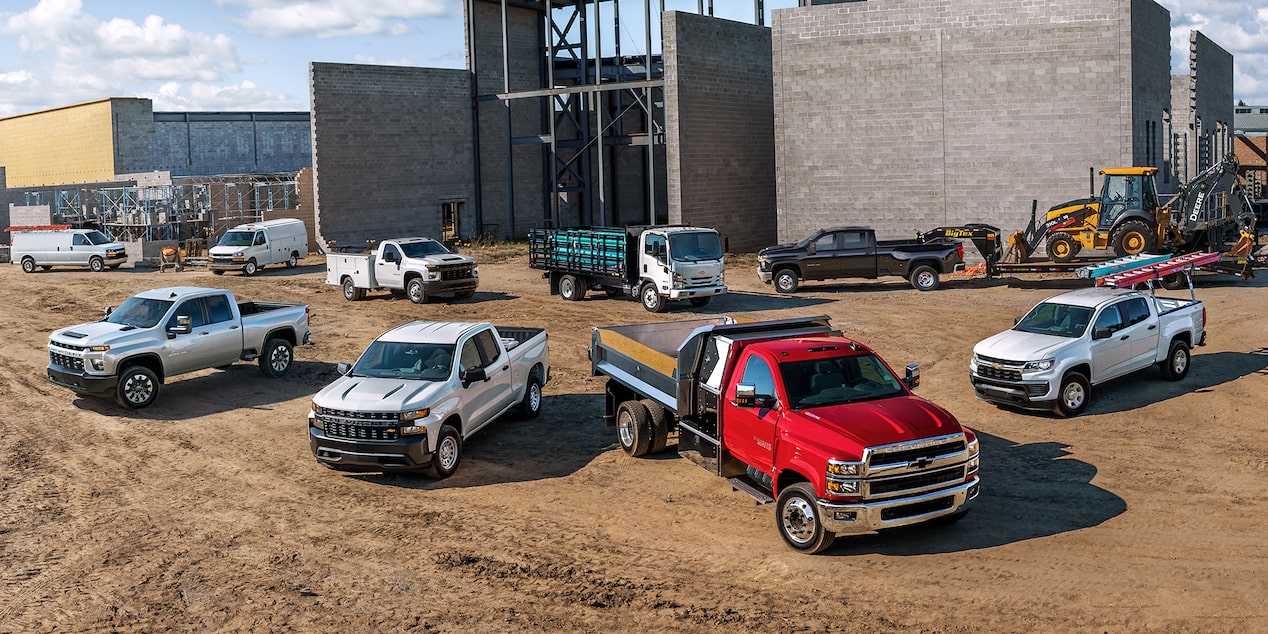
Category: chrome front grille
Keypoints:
(915, 482)
(904, 454)
(58, 344)
(385, 419)
(1003, 374)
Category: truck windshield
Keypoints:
(237, 239)
(396, 360)
(695, 246)
(423, 249)
(839, 380)
(139, 312)
(96, 237)
(1058, 320)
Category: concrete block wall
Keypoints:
(1151, 80)
(1211, 68)
(511, 201)
(719, 125)
(390, 143)
(907, 115)
(204, 144)
(133, 127)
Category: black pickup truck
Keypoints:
(843, 252)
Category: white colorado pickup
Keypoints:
(417, 267)
(420, 390)
(1073, 341)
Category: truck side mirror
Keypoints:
(1016, 320)
(473, 375)
(343, 368)
(912, 378)
(108, 310)
(810, 249)
(182, 327)
(1102, 333)
(390, 256)
(746, 396)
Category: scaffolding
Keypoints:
(190, 207)
(595, 106)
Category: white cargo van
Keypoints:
(47, 248)
(251, 246)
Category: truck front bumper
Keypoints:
(1034, 394)
(873, 516)
(451, 286)
(699, 291)
(83, 383)
(764, 275)
(404, 454)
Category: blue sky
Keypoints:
(206, 55)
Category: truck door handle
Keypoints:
(233, 327)
(505, 368)
(1152, 326)
(1125, 338)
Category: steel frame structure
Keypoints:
(588, 103)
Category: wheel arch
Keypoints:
(148, 360)
(788, 477)
(285, 332)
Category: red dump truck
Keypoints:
(791, 412)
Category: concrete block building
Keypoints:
(912, 114)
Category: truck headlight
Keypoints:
(415, 414)
(679, 280)
(475, 272)
(413, 430)
(844, 487)
(432, 273)
(1042, 364)
(842, 468)
(99, 348)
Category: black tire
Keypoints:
(633, 428)
(351, 292)
(397, 292)
(415, 290)
(1176, 366)
(659, 417)
(217, 272)
(46, 267)
(924, 278)
(531, 405)
(292, 261)
(464, 294)
(1073, 395)
(652, 300)
(277, 358)
(571, 288)
(700, 302)
(798, 521)
(448, 453)
(250, 268)
(138, 387)
(1132, 237)
(786, 281)
(96, 264)
(28, 265)
(1061, 248)
(1175, 282)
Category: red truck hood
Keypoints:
(884, 421)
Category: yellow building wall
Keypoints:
(72, 144)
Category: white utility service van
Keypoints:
(46, 248)
(252, 246)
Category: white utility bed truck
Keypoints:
(416, 267)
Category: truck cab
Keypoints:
(791, 412)
(678, 263)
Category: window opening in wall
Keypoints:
(450, 214)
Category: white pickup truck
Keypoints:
(423, 388)
(160, 333)
(1076, 340)
(417, 267)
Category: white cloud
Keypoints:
(1236, 26)
(71, 56)
(175, 96)
(333, 18)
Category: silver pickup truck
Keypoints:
(161, 333)
(1070, 343)
(420, 390)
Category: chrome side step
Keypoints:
(741, 483)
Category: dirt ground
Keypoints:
(207, 512)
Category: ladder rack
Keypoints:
(1118, 265)
(1157, 270)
